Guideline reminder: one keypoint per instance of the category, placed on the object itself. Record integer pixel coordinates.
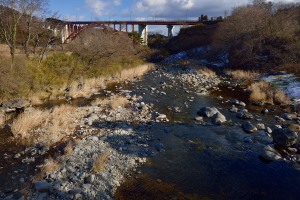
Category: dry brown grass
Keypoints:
(49, 167)
(281, 98)
(134, 72)
(112, 102)
(69, 148)
(263, 91)
(37, 126)
(2, 118)
(35, 100)
(260, 91)
(89, 87)
(243, 75)
(100, 161)
(28, 121)
(207, 72)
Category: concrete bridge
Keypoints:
(69, 30)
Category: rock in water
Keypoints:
(269, 153)
(42, 186)
(248, 127)
(284, 137)
(243, 114)
(218, 118)
(207, 111)
(261, 126)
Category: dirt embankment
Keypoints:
(192, 37)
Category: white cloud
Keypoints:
(73, 17)
(189, 8)
(101, 7)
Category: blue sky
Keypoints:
(143, 9)
(85, 10)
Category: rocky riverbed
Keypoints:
(175, 119)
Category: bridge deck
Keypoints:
(141, 22)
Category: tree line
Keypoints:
(22, 23)
(261, 35)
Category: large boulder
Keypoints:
(284, 137)
(207, 111)
(218, 118)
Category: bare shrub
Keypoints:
(207, 72)
(242, 75)
(28, 121)
(100, 161)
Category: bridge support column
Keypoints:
(143, 33)
(65, 33)
(170, 31)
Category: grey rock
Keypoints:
(237, 102)
(243, 114)
(248, 140)
(199, 119)
(42, 186)
(218, 118)
(268, 130)
(86, 186)
(294, 127)
(89, 179)
(161, 118)
(233, 109)
(278, 126)
(284, 137)
(260, 126)
(248, 127)
(159, 147)
(288, 116)
(265, 111)
(279, 119)
(78, 196)
(269, 153)
(207, 111)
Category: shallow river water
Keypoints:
(206, 162)
(192, 161)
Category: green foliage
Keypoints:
(135, 37)
(56, 70)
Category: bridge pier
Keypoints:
(170, 31)
(65, 33)
(143, 33)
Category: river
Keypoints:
(189, 160)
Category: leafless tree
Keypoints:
(257, 31)
(11, 14)
(96, 44)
